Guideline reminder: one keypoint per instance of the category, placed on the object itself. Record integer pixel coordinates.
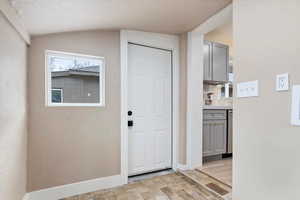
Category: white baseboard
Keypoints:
(69, 190)
(182, 167)
(26, 197)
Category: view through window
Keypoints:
(75, 79)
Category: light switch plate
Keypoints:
(247, 89)
(282, 82)
(296, 105)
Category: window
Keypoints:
(57, 95)
(74, 79)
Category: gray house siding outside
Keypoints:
(77, 89)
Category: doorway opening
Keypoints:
(218, 109)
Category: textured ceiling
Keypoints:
(165, 16)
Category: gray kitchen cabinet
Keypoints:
(230, 132)
(220, 136)
(214, 132)
(208, 146)
(220, 62)
(216, 62)
(207, 61)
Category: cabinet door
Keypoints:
(208, 143)
(220, 62)
(219, 136)
(207, 73)
(230, 132)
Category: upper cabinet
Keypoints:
(216, 62)
(207, 61)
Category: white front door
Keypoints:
(150, 100)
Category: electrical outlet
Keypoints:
(282, 82)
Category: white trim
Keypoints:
(48, 88)
(75, 105)
(74, 54)
(194, 100)
(26, 197)
(69, 190)
(11, 15)
(295, 109)
(182, 167)
(195, 85)
(169, 42)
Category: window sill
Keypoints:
(75, 105)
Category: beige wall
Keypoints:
(183, 98)
(13, 113)
(71, 144)
(266, 146)
(222, 34)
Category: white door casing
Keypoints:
(195, 68)
(164, 41)
(150, 100)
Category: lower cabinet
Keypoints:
(230, 132)
(214, 136)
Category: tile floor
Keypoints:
(212, 184)
(221, 169)
(174, 186)
(149, 175)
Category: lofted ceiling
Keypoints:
(165, 16)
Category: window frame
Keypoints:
(48, 81)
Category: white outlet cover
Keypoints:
(282, 82)
(296, 105)
(248, 89)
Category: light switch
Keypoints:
(282, 82)
(247, 89)
(296, 105)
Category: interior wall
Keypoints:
(13, 112)
(223, 35)
(183, 98)
(72, 144)
(266, 145)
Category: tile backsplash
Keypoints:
(217, 95)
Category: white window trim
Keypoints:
(61, 92)
(48, 86)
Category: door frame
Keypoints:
(195, 66)
(162, 41)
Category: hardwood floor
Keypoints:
(221, 170)
(176, 186)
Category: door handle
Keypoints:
(130, 123)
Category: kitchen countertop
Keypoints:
(208, 107)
